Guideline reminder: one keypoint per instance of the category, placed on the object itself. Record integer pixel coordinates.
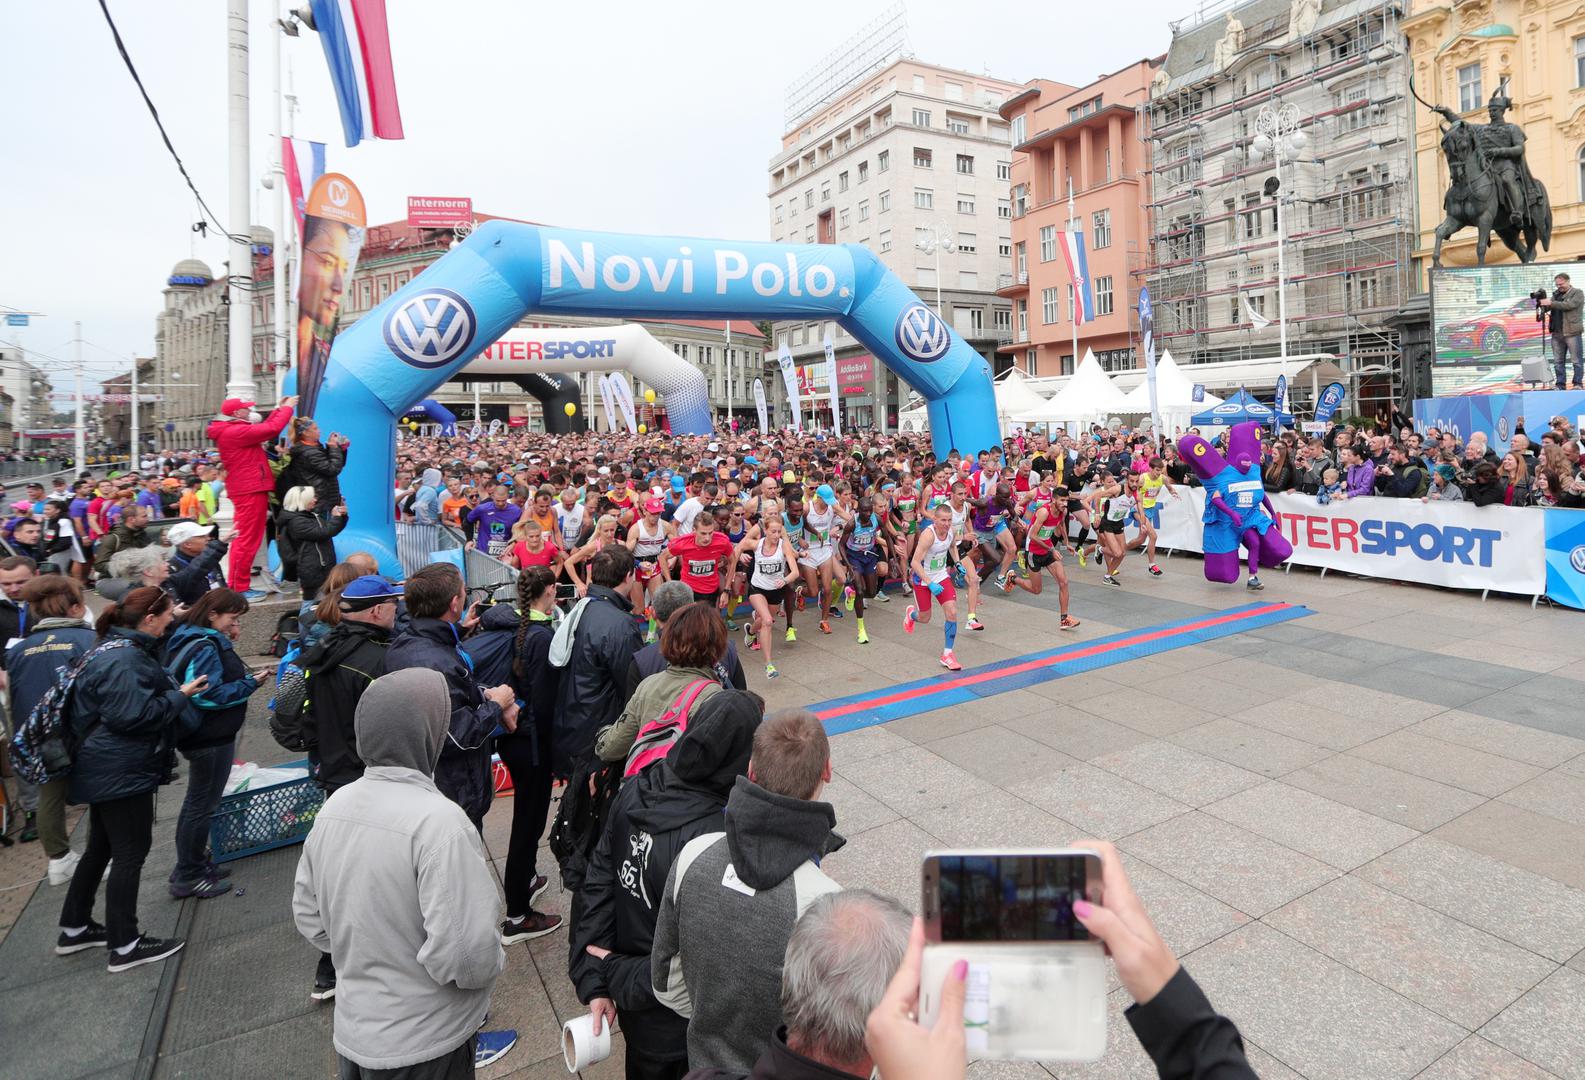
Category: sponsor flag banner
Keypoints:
(1281, 401)
(16, 319)
(495, 427)
(357, 44)
(759, 404)
(475, 431)
(622, 394)
(789, 378)
(1565, 556)
(333, 229)
(1254, 318)
(1147, 328)
(831, 381)
(1197, 393)
(433, 212)
(1454, 545)
(1327, 404)
(605, 402)
(303, 162)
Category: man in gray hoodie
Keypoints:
(732, 898)
(393, 883)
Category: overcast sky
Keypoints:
(610, 114)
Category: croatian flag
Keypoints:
(358, 49)
(303, 163)
(1079, 272)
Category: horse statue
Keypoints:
(1492, 189)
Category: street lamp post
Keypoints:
(1279, 136)
(937, 238)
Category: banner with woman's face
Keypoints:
(334, 221)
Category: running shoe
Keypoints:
(92, 936)
(535, 924)
(961, 576)
(880, 594)
(731, 624)
(908, 619)
(800, 598)
(864, 637)
(491, 1046)
(1068, 623)
(950, 662)
(834, 612)
(792, 635)
(771, 672)
(147, 951)
(974, 623)
(1023, 562)
(1108, 579)
(1083, 563)
(749, 641)
(825, 627)
(1003, 583)
(252, 596)
(847, 597)
(1254, 585)
(1155, 571)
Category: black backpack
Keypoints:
(287, 629)
(580, 817)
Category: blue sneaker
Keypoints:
(491, 1046)
(254, 596)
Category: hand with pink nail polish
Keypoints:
(1144, 963)
(900, 1048)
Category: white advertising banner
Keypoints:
(622, 395)
(789, 378)
(759, 404)
(831, 381)
(606, 404)
(1455, 545)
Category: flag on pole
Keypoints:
(831, 381)
(789, 378)
(1251, 316)
(1147, 331)
(357, 43)
(303, 162)
(1078, 268)
(759, 405)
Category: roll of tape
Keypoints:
(580, 1046)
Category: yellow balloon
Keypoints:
(569, 408)
(649, 396)
(643, 429)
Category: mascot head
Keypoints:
(1243, 445)
(1200, 456)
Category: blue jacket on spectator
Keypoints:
(32, 663)
(123, 716)
(223, 704)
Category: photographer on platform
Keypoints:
(1565, 324)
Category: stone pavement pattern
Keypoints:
(1363, 831)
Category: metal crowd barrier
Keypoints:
(415, 544)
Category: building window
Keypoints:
(1020, 200)
(924, 238)
(965, 206)
(883, 161)
(1048, 305)
(1023, 262)
(919, 84)
(864, 171)
(809, 199)
(1101, 223)
(825, 191)
(842, 219)
(1048, 243)
(1070, 302)
(956, 126)
(886, 241)
(1002, 319)
(921, 118)
(842, 181)
(1016, 132)
(1004, 170)
(809, 234)
(968, 279)
(968, 242)
(1103, 295)
(1469, 95)
(952, 90)
(1004, 209)
(1580, 157)
(924, 198)
(923, 159)
(966, 164)
(779, 210)
(1023, 319)
(886, 201)
(1083, 109)
(1579, 60)
(1004, 249)
(1254, 224)
(864, 210)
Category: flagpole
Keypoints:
(726, 359)
(278, 183)
(1073, 307)
(239, 273)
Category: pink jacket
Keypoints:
(241, 447)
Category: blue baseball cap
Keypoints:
(368, 591)
(826, 494)
(678, 483)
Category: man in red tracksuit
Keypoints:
(240, 435)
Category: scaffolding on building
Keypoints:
(1350, 204)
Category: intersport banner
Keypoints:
(333, 229)
(1455, 545)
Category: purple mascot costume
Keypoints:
(1237, 508)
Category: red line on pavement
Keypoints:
(1142, 638)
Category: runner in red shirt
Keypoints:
(701, 557)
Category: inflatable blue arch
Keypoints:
(399, 353)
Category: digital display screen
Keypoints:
(1483, 320)
(1011, 897)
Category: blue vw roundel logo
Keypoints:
(1502, 429)
(1576, 559)
(430, 330)
(921, 335)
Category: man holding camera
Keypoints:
(1566, 324)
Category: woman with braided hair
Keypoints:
(526, 754)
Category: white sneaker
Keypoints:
(61, 869)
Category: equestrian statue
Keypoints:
(1491, 188)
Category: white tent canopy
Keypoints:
(1014, 396)
(1174, 395)
(1088, 394)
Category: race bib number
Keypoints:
(701, 567)
(1246, 493)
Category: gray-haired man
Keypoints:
(842, 953)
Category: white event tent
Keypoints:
(1014, 396)
(1089, 395)
(1174, 396)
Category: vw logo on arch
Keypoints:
(430, 330)
(921, 335)
(1576, 559)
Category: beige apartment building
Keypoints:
(911, 160)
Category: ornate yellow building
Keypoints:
(1460, 53)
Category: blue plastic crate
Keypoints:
(261, 819)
